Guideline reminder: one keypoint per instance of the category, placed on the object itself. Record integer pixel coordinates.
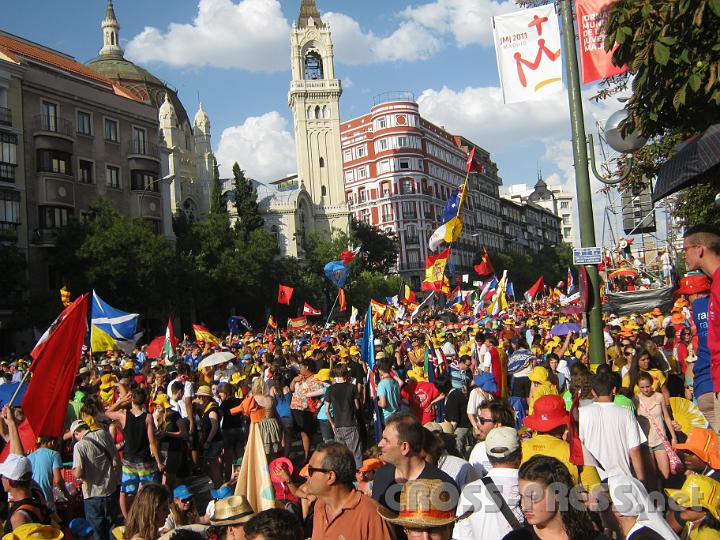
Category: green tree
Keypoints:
(380, 249)
(217, 198)
(123, 260)
(245, 196)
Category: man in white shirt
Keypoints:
(491, 414)
(487, 520)
(611, 433)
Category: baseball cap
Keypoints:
(221, 493)
(501, 442)
(80, 527)
(77, 425)
(15, 467)
(693, 284)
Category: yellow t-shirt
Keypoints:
(547, 445)
(658, 380)
(544, 389)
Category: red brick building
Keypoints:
(400, 170)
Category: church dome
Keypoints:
(202, 122)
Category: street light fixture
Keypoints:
(150, 184)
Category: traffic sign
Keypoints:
(587, 255)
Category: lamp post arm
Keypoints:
(627, 168)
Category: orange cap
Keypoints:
(704, 444)
(370, 465)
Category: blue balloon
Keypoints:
(337, 272)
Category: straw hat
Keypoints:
(424, 503)
(204, 391)
(232, 511)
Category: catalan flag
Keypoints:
(204, 335)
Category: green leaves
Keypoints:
(661, 53)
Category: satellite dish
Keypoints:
(628, 144)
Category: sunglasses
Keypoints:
(312, 470)
(629, 353)
(484, 421)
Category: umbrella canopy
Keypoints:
(564, 329)
(215, 359)
(623, 272)
(700, 157)
(8, 389)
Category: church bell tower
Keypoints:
(314, 98)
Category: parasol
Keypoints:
(155, 347)
(563, 329)
(687, 414)
(216, 359)
(629, 272)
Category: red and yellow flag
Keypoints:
(435, 271)
(342, 301)
(271, 322)
(204, 335)
(65, 296)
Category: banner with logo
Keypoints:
(527, 46)
(591, 20)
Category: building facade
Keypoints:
(550, 197)
(190, 161)
(400, 169)
(528, 227)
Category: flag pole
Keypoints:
(331, 308)
(17, 390)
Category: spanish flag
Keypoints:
(342, 301)
(65, 296)
(271, 322)
(204, 335)
(435, 271)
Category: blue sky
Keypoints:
(235, 54)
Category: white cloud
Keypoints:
(250, 35)
(261, 145)
(468, 21)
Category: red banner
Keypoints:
(591, 19)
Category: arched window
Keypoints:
(326, 112)
(317, 111)
(313, 66)
(309, 112)
(322, 162)
(323, 190)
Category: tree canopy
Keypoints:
(245, 200)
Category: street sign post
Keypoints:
(587, 255)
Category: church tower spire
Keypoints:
(314, 98)
(111, 33)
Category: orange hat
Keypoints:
(677, 317)
(704, 444)
(693, 284)
(370, 465)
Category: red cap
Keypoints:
(693, 284)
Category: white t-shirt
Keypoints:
(188, 392)
(608, 432)
(479, 459)
(458, 469)
(476, 397)
(487, 522)
(449, 350)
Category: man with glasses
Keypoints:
(491, 414)
(701, 246)
(341, 510)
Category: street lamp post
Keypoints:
(150, 184)
(582, 183)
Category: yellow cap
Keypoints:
(698, 491)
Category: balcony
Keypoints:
(45, 237)
(8, 231)
(5, 116)
(53, 124)
(144, 149)
(412, 240)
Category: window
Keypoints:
(386, 213)
(86, 172)
(362, 173)
(382, 145)
(323, 191)
(313, 66)
(347, 155)
(143, 181)
(384, 166)
(403, 142)
(112, 177)
(413, 258)
(407, 186)
(411, 235)
(54, 161)
(49, 116)
(139, 141)
(408, 210)
(404, 163)
(365, 216)
(566, 220)
(363, 195)
(9, 212)
(565, 204)
(84, 123)
(54, 217)
(385, 188)
(111, 130)
(8, 156)
(349, 175)
(360, 151)
(322, 162)
(382, 123)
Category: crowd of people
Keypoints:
(486, 428)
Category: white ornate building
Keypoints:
(313, 199)
(190, 159)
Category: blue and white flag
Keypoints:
(451, 206)
(111, 328)
(234, 323)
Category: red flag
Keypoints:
(56, 359)
(309, 310)
(596, 63)
(27, 438)
(349, 255)
(472, 165)
(342, 301)
(533, 291)
(284, 294)
(484, 267)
